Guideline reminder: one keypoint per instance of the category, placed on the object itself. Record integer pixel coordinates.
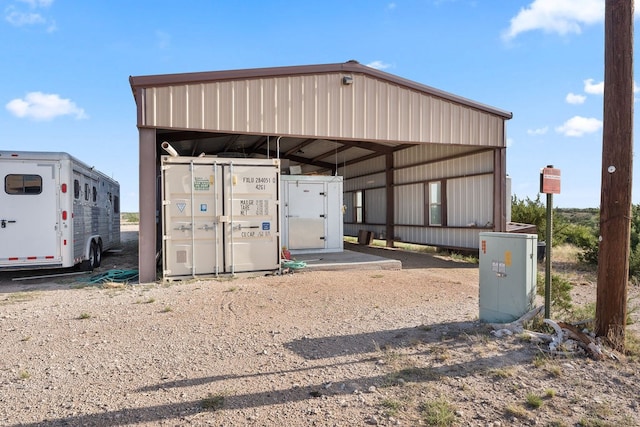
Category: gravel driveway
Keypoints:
(341, 348)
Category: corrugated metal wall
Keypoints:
(469, 194)
(321, 106)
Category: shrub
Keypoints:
(591, 247)
(527, 211)
(560, 292)
(438, 413)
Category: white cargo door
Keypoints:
(29, 214)
(191, 228)
(252, 207)
(306, 215)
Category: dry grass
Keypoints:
(18, 297)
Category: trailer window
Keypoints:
(86, 191)
(23, 184)
(95, 194)
(76, 189)
(116, 204)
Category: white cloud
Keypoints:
(540, 131)
(575, 99)
(19, 17)
(163, 39)
(38, 3)
(378, 65)
(555, 16)
(578, 126)
(44, 106)
(593, 88)
(509, 142)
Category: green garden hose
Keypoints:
(294, 264)
(118, 276)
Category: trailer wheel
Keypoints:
(96, 254)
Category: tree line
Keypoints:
(578, 227)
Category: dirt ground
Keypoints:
(335, 348)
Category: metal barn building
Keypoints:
(419, 164)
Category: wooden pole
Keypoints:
(617, 153)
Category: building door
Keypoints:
(306, 214)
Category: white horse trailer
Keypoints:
(55, 211)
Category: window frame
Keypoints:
(358, 207)
(437, 205)
(24, 178)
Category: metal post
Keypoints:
(547, 269)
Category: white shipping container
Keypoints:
(220, 215)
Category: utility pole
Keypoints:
(617, 153)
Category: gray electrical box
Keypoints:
(508, 274)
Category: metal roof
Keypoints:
(351, 66)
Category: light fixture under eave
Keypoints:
(347, 80)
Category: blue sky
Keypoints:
(66, 66)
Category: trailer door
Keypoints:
(29, 211)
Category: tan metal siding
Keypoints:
(437, 236)
(295, 107)
(194, 117)
(210, 106)
(309, 100)
(226, 106)
(347, 102)
(409, 204)
(470, 201)
(255, 107)
(364, 182)
(321, 106)
(473, 164)
(375, 205)
(377, 164)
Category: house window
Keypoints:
(358, 206)
(435, 203)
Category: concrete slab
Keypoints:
(346, 260)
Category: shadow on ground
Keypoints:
(423, 341)
(410, 260)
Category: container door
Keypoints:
(29, 214)
(306, 215)
(252, 211)
(191, 228)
